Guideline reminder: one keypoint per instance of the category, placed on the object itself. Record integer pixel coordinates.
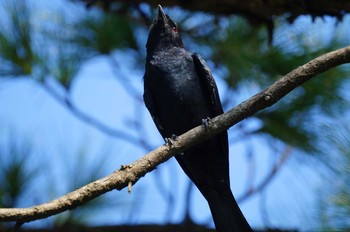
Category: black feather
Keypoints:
(180, 91)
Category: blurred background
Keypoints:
(71, 111)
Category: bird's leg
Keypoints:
(205, 122)
(170, 141)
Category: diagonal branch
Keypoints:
(65, 101)
(268, 178)
(130, 174)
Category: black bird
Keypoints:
(179, 92)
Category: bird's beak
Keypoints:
(161, 15)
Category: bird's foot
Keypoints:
(170, 141)
(205, 122)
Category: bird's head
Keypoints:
(163, 33)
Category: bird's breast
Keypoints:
(177, 93)
(179, 81)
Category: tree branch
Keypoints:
(65, 101)
(268, 178)
(257, 10)
(133, 172)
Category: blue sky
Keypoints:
(58, 137)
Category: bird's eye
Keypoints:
(174, 29)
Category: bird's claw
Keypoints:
(205, 122)
(170, 141)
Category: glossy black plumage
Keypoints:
(179, 91)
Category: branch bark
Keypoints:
(133, 172)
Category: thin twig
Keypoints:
(133, 172)
(268, 178)
(66, 102)
(251, 166)
(129, 88)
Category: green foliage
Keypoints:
(18, 175)
(15, 176)
(16, 54)
(251, 64)
(74, 41)
(104, 32)
(334, 214)
(81, 169)
(60, 45)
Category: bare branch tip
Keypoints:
(129, 187)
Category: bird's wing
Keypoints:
(148, 99)
(208, 84)
(211, 91)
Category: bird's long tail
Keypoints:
(225, 211)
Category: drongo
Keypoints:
(179, 92)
